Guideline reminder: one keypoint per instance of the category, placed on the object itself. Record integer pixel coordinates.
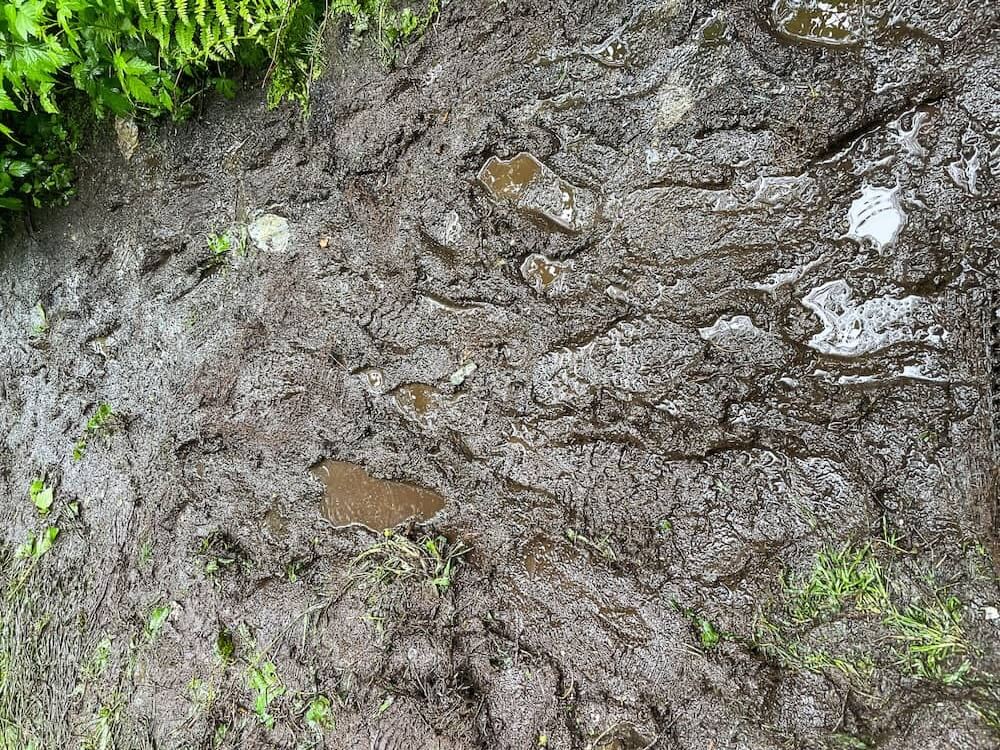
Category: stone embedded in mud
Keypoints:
(675, 101)
(127, 135)
(353, 496)
(877, 216)
(535, 189)
(543, 273)
(833, 23)
(270, 232)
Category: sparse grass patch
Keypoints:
(429, 561)
(102, 423)
(851, 584)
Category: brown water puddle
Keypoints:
(534, 189)
(835, 23)
(353, 496)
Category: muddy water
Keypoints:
(352, 496)
(707, 284)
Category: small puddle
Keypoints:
(837, 23)
(542, 272)
(876, 215)
(419, 402)
(353, 496)
(613, 53)
(534, 189)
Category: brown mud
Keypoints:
(765, 327)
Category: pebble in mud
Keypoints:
(270, 232)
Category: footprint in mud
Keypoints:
(352, 496)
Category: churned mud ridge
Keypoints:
(677, 319)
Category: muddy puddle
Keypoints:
(530, 186)
(352, 496)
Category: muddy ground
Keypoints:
(744, 312)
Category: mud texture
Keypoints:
(745, 311)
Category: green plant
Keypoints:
(37, 545)
(706, 632)
(926, 628)
(263, 682)
(431, 559)
(151, 57)
(319, 713)
(41, 496)
(390, 27)
(39, 322)
(145, 554)
(96, 665)
(225, 646)
(101, 423)
(157, 618)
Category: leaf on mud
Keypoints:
(41, 496)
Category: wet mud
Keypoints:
(620, 314)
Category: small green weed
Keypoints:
(102, 423)
(263, 682)
(102, 728)
(145, 554)
(42, 496)
(319, 713)
(39, 325)
(705, 631)
(97, 664)
(225, 646)
(37, 545)
(158, 616)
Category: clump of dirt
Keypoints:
(690, 439)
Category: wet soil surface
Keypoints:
(652, 302)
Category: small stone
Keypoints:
(458, 377)
(127, 133)
(270, 232)
(992, 614)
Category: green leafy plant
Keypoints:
(41, 496)
(319, 714)
(37, 545)
(128, 57)
(263, 682)
(100, 423)
(157, 618)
